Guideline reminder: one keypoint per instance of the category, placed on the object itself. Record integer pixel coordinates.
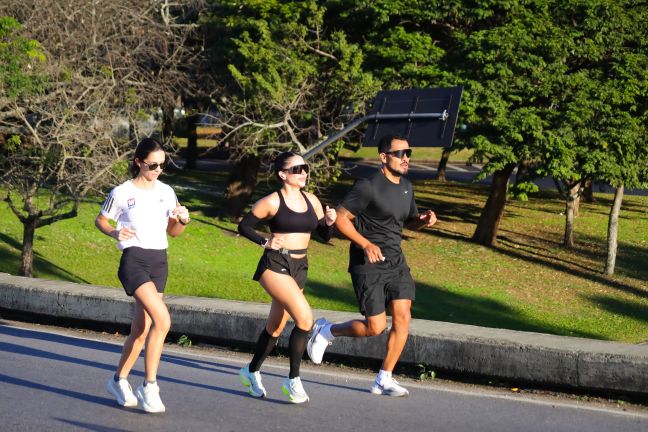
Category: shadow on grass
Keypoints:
(10, 263)
(201, 191)
(534, 251)
(433, 303)
(550, 263)
(634, 310)
(631, 259)
(332, 293)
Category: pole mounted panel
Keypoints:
(425, 117)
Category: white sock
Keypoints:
(326, 332)
(383, 376)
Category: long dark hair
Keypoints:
(280, 161)
(144, 148)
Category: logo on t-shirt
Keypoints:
(131, 203)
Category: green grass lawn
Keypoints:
(527, 282)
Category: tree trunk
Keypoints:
(588, 192)
(192, 142)
(167, 123)
(27, 254)
(443, 163)
(491, 215)
(613, 231)
(577, 201)
(240, 186)
(522, 171)
(571, 211)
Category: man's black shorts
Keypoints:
(138, 266)
(284, 264)
(374, 291)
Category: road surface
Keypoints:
(53, 379)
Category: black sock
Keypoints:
(263, 348)
(296, 348)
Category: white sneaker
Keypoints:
(317, 343)
(389, 387)
(252, 380)
(294, 389)
(122, 391)
(149, 398)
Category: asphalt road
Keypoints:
(53, 379)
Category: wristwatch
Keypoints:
(184, 223)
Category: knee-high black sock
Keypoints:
(296, 348)
(263, 348)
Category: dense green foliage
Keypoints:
(558, 86)
(289, 79)
(20, 58)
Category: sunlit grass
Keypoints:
(527, 282)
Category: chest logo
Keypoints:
(131, 203)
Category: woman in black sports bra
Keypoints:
(292, 215)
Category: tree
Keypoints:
(514, 60)
(289, 81)
(601, 123)
(100, 61)
(150, 49)
(407, 44)
(54, 136)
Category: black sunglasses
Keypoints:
(297, 169)
(153, 166)
(400, 153)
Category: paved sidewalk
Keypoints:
(512, 355)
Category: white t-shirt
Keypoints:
(146, 211)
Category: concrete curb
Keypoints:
(506, 354)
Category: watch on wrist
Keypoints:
(184, 222)
(264, 243)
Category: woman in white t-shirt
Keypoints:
(145, 211)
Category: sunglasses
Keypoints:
(400, 153)
(297, 169)
(153, 166)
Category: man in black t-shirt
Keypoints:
(372, 216)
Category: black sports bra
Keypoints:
(289, 221)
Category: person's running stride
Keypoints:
(292, 215)
(372, 216)
(146, 210)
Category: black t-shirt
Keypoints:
(380, 208)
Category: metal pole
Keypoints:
(375, 117)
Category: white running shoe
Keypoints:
(122, 391)
(252, 380)
(317, 343)
(149, 398)
(389, 387)
(294, 389)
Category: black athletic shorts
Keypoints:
(284, 264)
(374, 291)
(138, 266)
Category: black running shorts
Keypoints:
(285, 264)
(374, 291)
(138, 266)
